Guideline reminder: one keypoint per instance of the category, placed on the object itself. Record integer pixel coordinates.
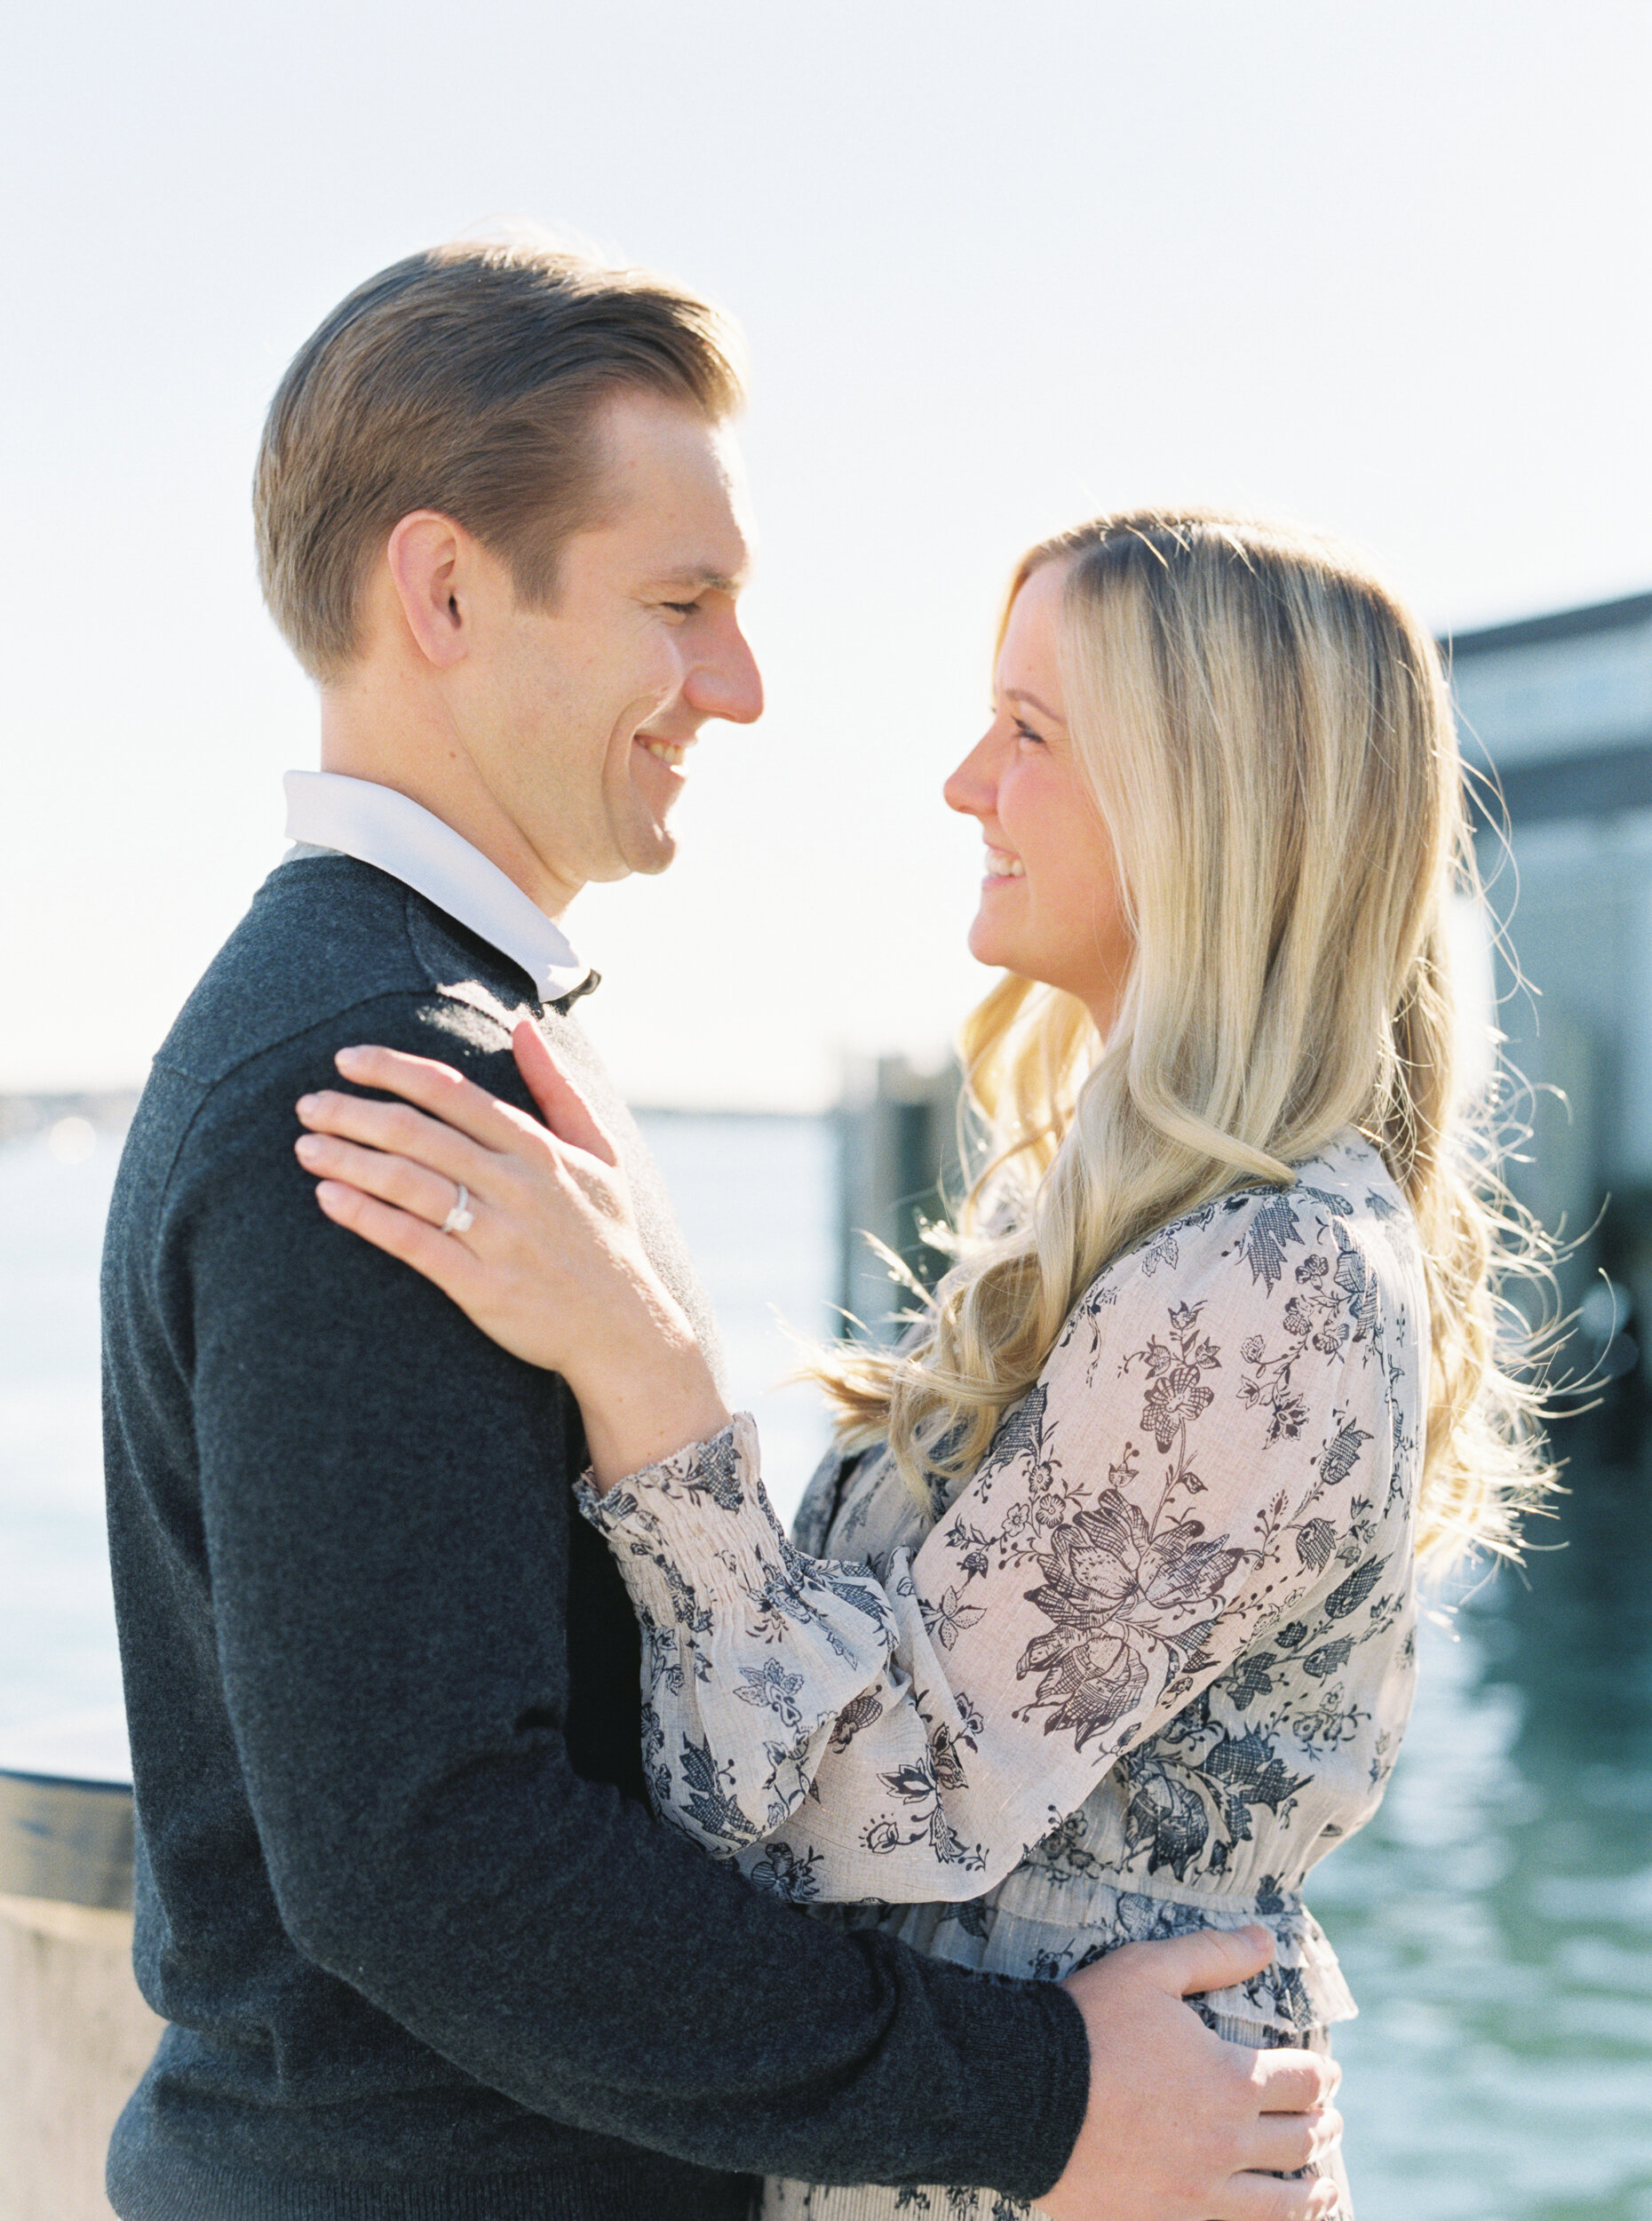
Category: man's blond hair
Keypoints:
(466, 380)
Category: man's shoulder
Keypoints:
(327, 938)
(331, 952)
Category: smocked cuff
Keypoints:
(703, 1506)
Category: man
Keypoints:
(422, 1950)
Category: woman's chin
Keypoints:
(986, 947)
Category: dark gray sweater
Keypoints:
(424, 1951)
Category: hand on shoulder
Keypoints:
(527, 1228)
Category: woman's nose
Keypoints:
(972, 789)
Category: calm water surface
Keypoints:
(1495, 1919)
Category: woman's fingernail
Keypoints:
(307, 1105)
(347, 1059)
(309, 1147)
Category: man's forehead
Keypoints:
(677, 493)
(688, 546)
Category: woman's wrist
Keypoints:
(647, 1406)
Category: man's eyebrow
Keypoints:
(1020, 694)
(699, 579)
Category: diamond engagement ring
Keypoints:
(461, 1218)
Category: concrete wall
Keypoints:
(75, 2036)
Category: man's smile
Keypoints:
(671, 752)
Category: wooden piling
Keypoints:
(75, 2033)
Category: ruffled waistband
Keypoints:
(1031, 1925)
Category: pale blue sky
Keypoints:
(1383, 267)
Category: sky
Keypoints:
(1382, 269)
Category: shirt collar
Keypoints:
(376, 825)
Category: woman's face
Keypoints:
(1051, 908)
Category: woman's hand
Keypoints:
(527, 1228)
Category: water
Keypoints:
(1495, 1919)
(57, 1618)
(756, 1200)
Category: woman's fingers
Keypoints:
(446, 1094)
(460, 1104)
(429, 1195)
(565, 1111)
(553, 1269)
(397, 1130)
(438, 1257)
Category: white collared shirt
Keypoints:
(375, 824)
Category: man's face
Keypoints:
(583, 715)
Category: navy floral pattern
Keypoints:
(1148, 1663)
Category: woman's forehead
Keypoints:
(1029, 652)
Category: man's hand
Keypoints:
(1182, 2126)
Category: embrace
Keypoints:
(529, 1828)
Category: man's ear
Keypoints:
(427, 555)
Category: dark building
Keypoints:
(1559, 709)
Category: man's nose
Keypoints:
(972, 789)
(728, 683)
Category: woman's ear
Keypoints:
(426, 556)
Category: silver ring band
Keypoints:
(461, 1218)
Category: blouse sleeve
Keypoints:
(1187, 1469)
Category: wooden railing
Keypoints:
(75, 2034)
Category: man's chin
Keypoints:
(650, 850)
(633, 859)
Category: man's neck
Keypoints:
(379, 825)
(407, 748)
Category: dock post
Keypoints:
(75, 2033)
(898, 1170)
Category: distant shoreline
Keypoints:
(110, 1109)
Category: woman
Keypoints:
(1100, 1627)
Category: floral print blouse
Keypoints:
(1136, 1675)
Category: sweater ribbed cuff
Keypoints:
(1033, 2085)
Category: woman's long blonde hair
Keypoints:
(1267, 732)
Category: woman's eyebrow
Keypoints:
(1020, 694)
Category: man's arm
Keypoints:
(385, 1507)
